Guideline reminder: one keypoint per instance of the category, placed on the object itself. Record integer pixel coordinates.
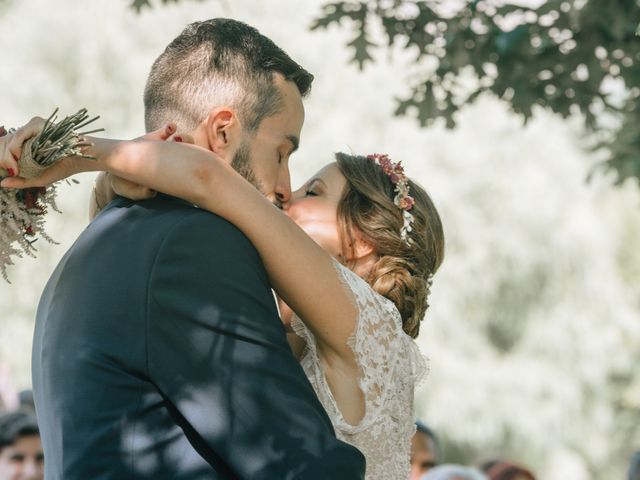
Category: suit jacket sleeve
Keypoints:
(217, 352)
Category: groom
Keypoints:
(158, 351)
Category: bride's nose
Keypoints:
(293, 199)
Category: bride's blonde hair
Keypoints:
(404, 267)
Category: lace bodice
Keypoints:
(390, 364)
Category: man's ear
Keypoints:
(224, 131)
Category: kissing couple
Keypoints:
(159, 350)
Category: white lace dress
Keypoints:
(391, 365)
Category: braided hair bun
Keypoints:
(404, 267)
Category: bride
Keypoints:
(353, 254)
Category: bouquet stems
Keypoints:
(22, 212)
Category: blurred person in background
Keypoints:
(453, 472)
(503, 470)
(425, 451)
(21, 455)
(634, 467)
(26, 402)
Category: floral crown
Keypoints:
(404, 201)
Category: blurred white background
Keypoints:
(534, 327)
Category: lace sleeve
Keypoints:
(377, 342)
(390, 363)
(383, 351)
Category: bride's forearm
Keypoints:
(180, 170)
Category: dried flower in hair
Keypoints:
(404, 201)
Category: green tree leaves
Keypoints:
(574, 58)
(570, 57)
(334, 13)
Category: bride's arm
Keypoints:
(104, 189)
(300, 271)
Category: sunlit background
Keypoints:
(533, 333)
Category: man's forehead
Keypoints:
(290, 93)
(285, 126)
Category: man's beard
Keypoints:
(241, 163)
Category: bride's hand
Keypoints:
(133, 191)
(62, 169)
(107, 186)
(11, 145)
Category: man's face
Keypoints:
(24, 460)
(268, 149)
(423, 455)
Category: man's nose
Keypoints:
(283, 187)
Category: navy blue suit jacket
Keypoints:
(158, 353)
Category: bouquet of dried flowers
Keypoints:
(22, 212)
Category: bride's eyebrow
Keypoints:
(314, 180)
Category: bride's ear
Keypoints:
(224, 132)
(360, 249)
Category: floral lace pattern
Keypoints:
(391, 365)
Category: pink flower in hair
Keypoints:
(404, 201)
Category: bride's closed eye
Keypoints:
(312, 189)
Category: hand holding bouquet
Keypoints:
(27, 152)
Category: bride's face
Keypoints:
(314, 207)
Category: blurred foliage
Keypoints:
(564, 55)
(624, 145)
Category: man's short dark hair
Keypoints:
(17, 425)
(214, 63)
